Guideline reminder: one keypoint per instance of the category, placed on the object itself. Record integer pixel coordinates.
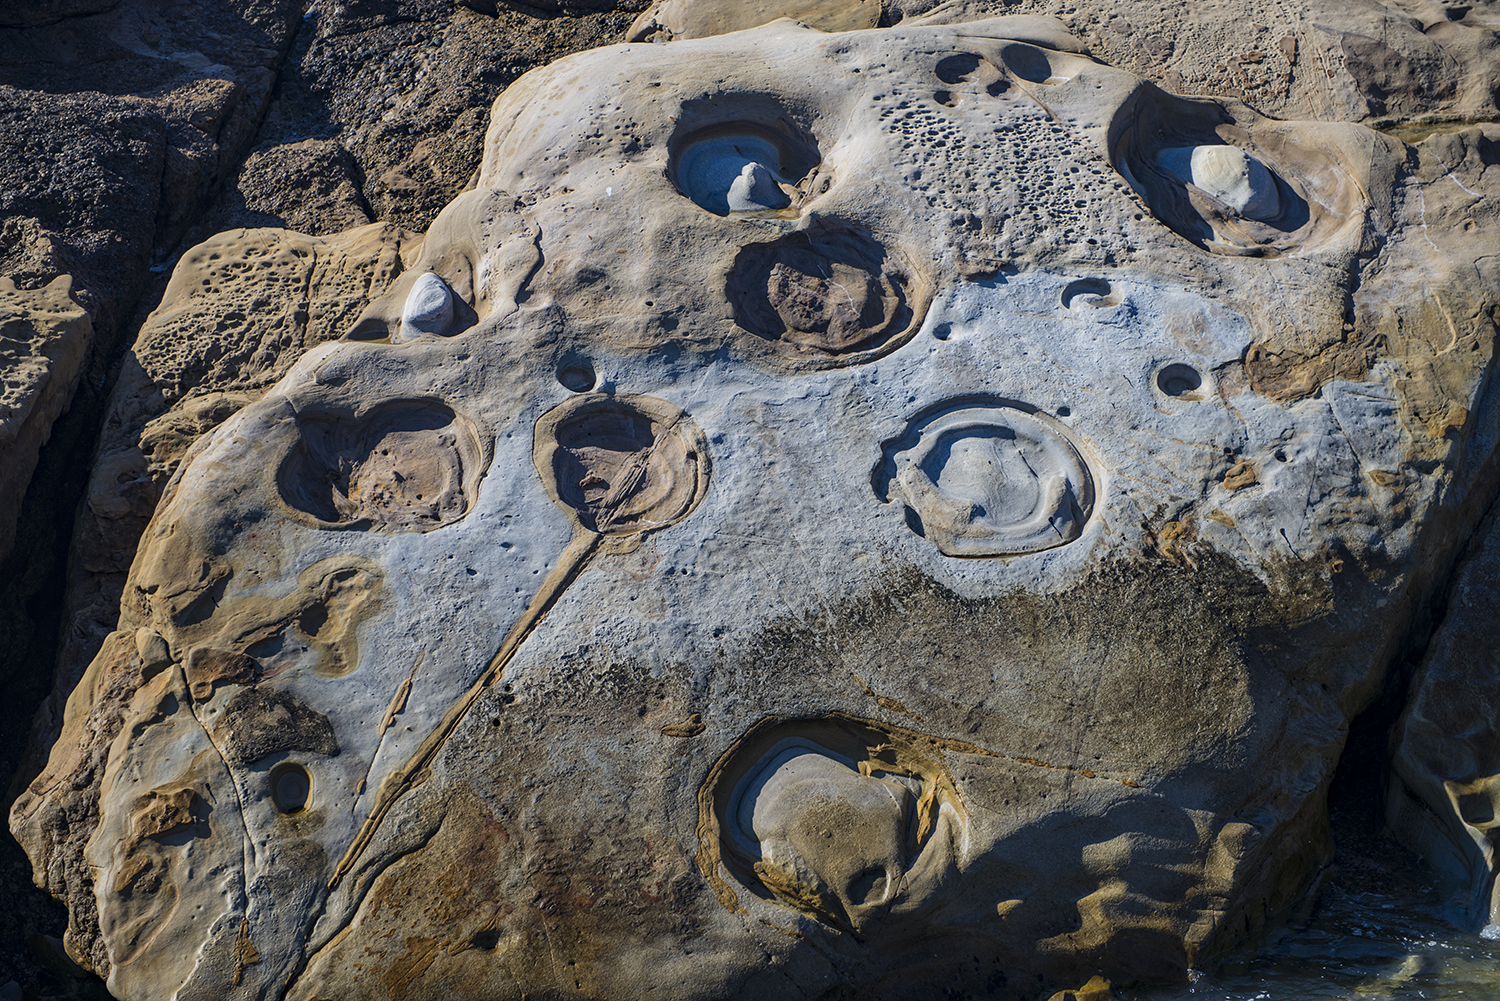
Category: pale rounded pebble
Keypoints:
(732, 173)
(1229, 174)
(428, 310)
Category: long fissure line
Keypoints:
(572, 562)
(574, 559)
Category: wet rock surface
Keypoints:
(959, 502)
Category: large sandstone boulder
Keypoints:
(827, 511)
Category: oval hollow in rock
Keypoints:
(622, 464)
(822, 295)
(1089, 293)
(577, 377)
(1213, 182)
(408, 465)
(1181, 382)
(1029, 63)
(291, 787)
(989, 480)
(842, 819)
(733, 170)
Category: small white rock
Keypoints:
(1229, 174)
(735, 173)
(428, 310)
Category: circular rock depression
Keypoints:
(989, 480)
(622, 464)
(409, 465)
(840, 818)
(834, 297)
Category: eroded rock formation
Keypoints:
(44, 338)
(920, 508)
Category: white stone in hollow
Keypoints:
(1228, 173)
(732, 174)
(428, 309)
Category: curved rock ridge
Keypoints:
(963, 572)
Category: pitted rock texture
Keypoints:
(1399, 63)
(348, 67)
(239, 311)
(121, 120)
(683, 695)
(400, 88)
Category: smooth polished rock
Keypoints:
(964, 574)
(428, 309)
(1229, 174)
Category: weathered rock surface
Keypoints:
(129, 115)
(117, 122)
(351, 65)
(961, 569)
(401, 87)
(240, 309)
(1446, 749)
(44, 336)
(1397, 63)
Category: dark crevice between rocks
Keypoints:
(32, 582)
(1367, 858)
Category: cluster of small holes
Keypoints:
(1022, 181)
(240, 322)
(32, 321)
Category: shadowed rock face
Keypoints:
(952, 558)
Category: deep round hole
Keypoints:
(1179, 380)
(1280, 455)
(1065, 411)
(1093, 292)
(957, 67)
(291, 788)
(578, 378)
(1027, 62)
(486, 939)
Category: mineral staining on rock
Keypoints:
(956, 562)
